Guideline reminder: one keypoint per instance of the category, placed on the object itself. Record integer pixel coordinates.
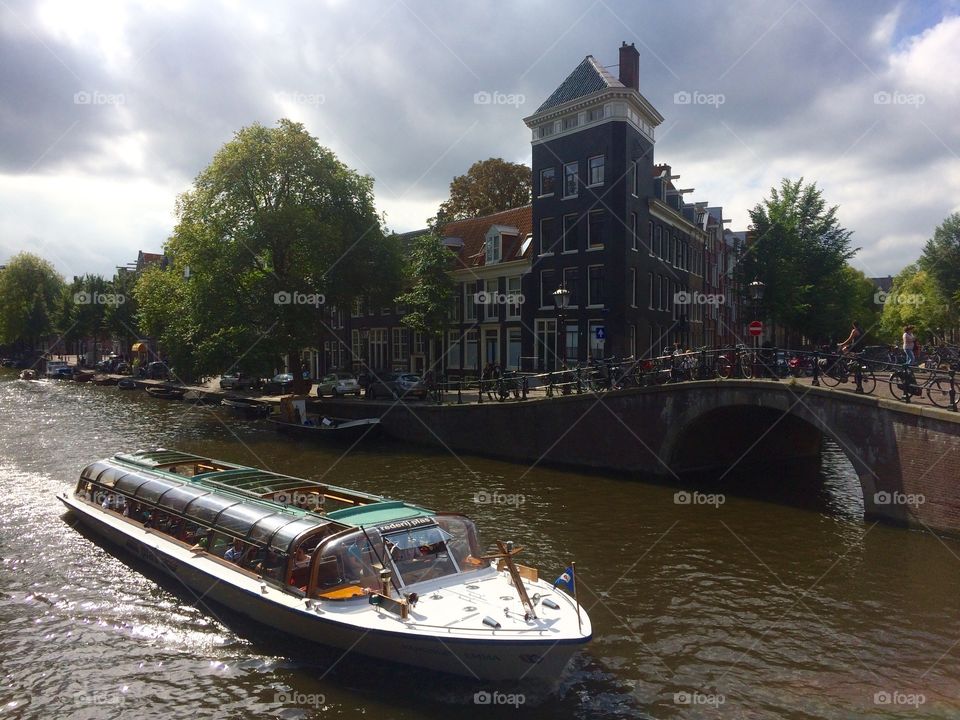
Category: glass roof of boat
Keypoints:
(377, 513)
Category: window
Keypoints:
(514, 297)
(596, 344)
(544, 345)
(658, 242)
(570, 283)
(399, 346)
(492, 248)
(572, 340)
(650, 237)
(547, 178)
(636, 178)
(419, 343)
(357, 309)
(650, 283)
(571, 122)
(595, 228)
(453, 349)
(547, 236)
(595, 285)
(659, 292)
(386, 310)
(633, 341)
(633, 231)
(471, 351)
(378, 348)
(355, 349)
(570, 240)
(633, 287)
(546, 288)
(546, 130)
(513, 348)
(632, 179)
(570, 180)
(595, 114)
(470, 300)
(491, 311)
(596, 170)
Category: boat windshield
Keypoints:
(350, 564)
(421, 553)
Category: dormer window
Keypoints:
(493, 247)
(570, 122)
(595, 114)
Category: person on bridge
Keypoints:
(854, 339)
(909, 343)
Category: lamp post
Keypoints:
(561, 299)
(757, 289)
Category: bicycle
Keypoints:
(904, 385)
(843, 369)
(507, 383)
(733, 362)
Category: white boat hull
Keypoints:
(355, 626)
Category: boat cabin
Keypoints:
(309, 538)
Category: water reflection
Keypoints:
(781, 600)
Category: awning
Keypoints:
(139, 347)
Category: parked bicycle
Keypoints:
(736, 362)
(904, 384)
(843, 369)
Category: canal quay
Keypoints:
(758, 592)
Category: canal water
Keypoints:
(774, 601)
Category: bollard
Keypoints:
(816, 369)
(524, 388)
(858, 376)
(480, 391)
(460, 391)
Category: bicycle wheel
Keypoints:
(746, 365)
(899, 382)
(724, 367)
(939, 392)
(868, 381)
(833, 373)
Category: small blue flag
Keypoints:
(566, 579)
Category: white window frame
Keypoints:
(544, 251)
(633, 287)
(591, 304)
(469, 302)
(590, 244)
(492, 247)
(553, 191)
(602, 166)
(514, 285)
(563, 244)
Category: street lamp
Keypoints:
(561, 299)
(756, 290)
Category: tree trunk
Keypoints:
(295, 362)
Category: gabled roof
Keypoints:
(473, 233)
(587, 78)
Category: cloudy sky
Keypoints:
(109, 109)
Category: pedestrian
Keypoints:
(909, 344)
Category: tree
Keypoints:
(30, 293)
(432, 289)
(165, 314)
(274, 228)
(800, 253)
(941, 257)
(83, 310)
(914, 299)
(489, 186)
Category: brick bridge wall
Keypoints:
(900, 452)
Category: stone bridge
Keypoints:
(901, 453)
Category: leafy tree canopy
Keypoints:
(432, 290)
(30, 293)
(489, 186)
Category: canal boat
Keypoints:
(28, 375)
(323, 427)
(105, 380)
(166, 392)
(83, 375)
(127, 384)
(245, 407)
(346, 569)
(58, 369)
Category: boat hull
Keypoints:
(540, 660)
(355, 431)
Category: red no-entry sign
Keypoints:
(756, 328)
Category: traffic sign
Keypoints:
(756, 328)
(600, 332)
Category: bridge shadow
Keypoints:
(765, 454)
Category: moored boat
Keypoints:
(326, 564)
(105, 380)
(127, 384)
(28, 375)
(166, 392)
(83, 375)
(323, 427)
(245, 407)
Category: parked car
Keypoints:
(239, 381)
(279, 384)
(396, 385)
(338, 384)
(156, 371)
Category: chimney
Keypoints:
(630, 66)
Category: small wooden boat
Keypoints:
(330, 428)
(330, 565)
(245, 407)
(127, 384)
(166, 392)
(199, 397)
(28, 375)
(105, 380)
(83, 375)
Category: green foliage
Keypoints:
(30, 294)
(800, 252)
(915, 299)
(165, 315)
(432, 289)
(275, 216)
(489, 186)
(941, 260)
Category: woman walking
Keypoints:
(909, 343)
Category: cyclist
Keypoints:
(854, 339)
